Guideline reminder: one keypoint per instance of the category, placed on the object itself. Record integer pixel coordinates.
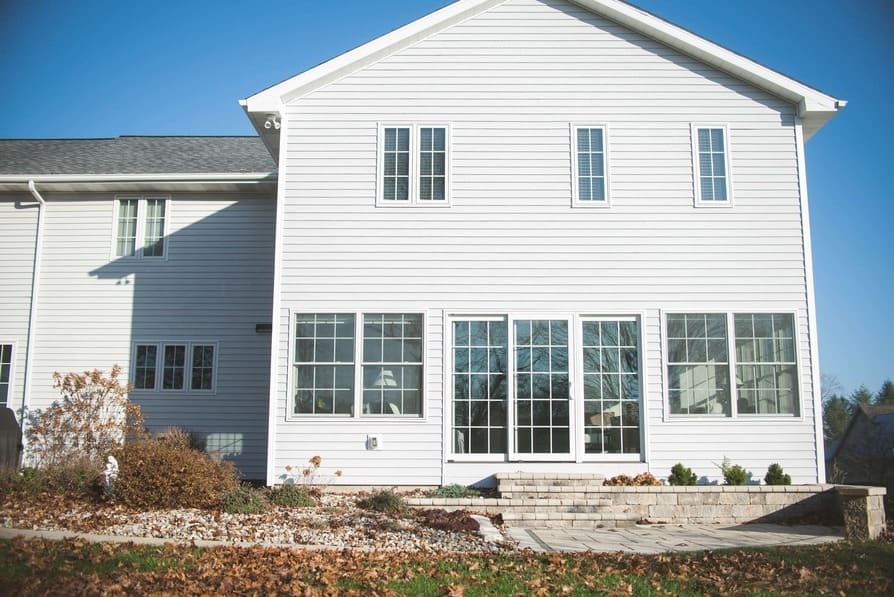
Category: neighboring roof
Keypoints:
(815, 107)
(881, 417)
(134, 155)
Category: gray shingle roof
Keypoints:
(135, 155)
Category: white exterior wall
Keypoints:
(508, 82)
(18, 235)
(215, 285)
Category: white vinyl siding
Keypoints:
(509, 82)
(215, 284)
(590, 166)
(140, 229)
(711, 165)
(6, 363)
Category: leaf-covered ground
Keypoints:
(40, 567)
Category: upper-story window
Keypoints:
(711, 158)
(413, 165)
(590, 180)
(140, 226)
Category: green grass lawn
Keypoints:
(42, 567)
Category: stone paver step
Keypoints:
(519, 475)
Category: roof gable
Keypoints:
(814, 107)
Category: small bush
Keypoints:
(775, 476)
(92, 418)
(681, 475)
(384, 500)
(75, 479)
(167, 473)
(454, 491)
(291, 496)
(641, 480)
(733, 474)
(243, 500)
(457, 521)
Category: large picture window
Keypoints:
(763, 364)
(383, 352)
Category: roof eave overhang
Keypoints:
(249, 182)
(815, 108)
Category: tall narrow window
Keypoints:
(145, 367)
(140, 227)
(202, 367)
(174, 367)
(698, 364)
(611, 387)
(392, 364)
(590, 158)
(126, 237)
(324, 364)
(396, 164)
(432, 164)
(153, 239)
(766, 369)
(543, 398)
(479, 386)
(712, 165)
(5, 372)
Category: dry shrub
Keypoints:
(92, 419)
(168, 473)
(641, 480)
(456, 521)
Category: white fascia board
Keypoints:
(188, 177)
(814, 107)
(273, 98)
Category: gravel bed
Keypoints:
(337, 522)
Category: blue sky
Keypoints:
(88, 68)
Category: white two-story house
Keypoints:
(541, 235)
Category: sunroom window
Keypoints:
(697, 364)
(766, 370)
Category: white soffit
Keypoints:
(814, 107)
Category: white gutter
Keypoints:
(164, 177)
(32, 315)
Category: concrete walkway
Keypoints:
(651, 539)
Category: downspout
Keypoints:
(32, 316)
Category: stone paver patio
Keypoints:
(651, 539)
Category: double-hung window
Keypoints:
(413, 165)
(758, 377)
(5, 372)
(366, 364)
(140, 226)
(174, 367)
(711, 165)
(590, 166)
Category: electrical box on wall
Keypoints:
(373, 442)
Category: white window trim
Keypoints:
(734, 416)
(141, 227)
(187, 366)
(696, 170)
(12, 373)
(413, 190)
(575, 338)
(606, 161)
(357, 415)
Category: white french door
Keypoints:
(541, 400)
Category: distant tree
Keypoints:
(862, 396)
(829, 386)
(837, 412)
(885, 395)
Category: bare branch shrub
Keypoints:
(92, 418)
